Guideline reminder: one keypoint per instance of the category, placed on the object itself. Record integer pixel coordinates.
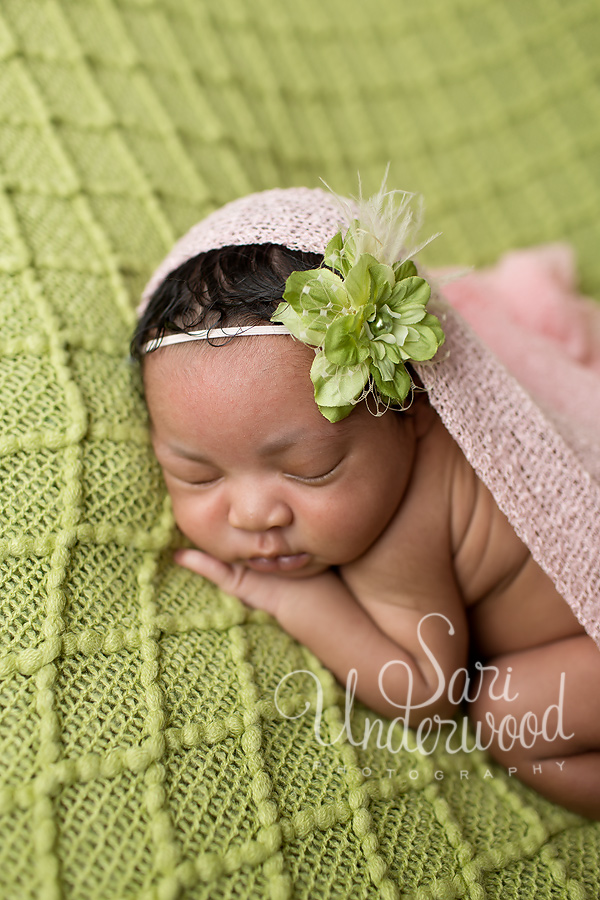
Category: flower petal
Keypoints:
(358, 282)
(337, 385)
(336, 413)
(341, 345)
(423, 341)
(309, 329)
(396, 388)
(335, 256)
(315, 289)
(414, 288)
(404, 269)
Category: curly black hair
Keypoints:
(231, 286)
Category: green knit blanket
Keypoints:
(142, 750)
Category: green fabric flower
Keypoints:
(366, 318)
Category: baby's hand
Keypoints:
(257, 590)
(320, 612)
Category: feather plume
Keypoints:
(386, 224)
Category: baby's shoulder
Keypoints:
(451, 504)
(415, 548)
(486, 550)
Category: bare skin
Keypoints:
(360, 530)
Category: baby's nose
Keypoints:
(255, 509)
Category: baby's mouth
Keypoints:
(277, 563)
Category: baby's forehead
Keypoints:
(240, 360)
(249, 418)
(267, 378)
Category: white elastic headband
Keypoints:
(210, 333)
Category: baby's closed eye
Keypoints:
(311, 475)
(192, 474)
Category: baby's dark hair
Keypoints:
(230, 286)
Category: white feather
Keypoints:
(386, 224)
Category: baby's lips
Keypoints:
(277, 563)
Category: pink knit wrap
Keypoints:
(297, 218)
(542, 468)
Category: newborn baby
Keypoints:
(306, 464)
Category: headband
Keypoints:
(212, 333)
(363, 311)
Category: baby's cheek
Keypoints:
(360, 530)
(204, 523)
(342, 529)
(188, 517)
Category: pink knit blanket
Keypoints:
(531, 426)
(528, 311)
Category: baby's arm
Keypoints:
(322, 613)
(546, 727)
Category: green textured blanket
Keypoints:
(142, 754)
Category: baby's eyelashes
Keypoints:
(210, 479)
(206, 482)
(193, 479)
(318, 478)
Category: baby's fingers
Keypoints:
(224, 576)
(254, 589)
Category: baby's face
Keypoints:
(255, 473)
